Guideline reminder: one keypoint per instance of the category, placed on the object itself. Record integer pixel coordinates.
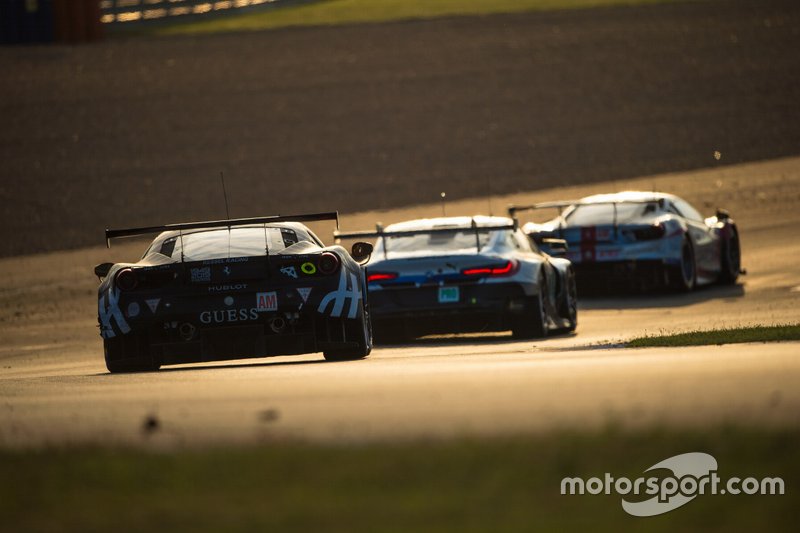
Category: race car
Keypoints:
(641, 240)
(464, 274)
(230, 289)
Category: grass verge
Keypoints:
(789, 332)
(507, 484)
(332, 12)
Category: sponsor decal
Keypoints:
(229, 315)
(153, 304)
(308, 268)
(228, 260)
(289, 271)
(108, 308)
(304, 293)
(133, 309)
(227, 270)
(223, 288)
(341, 295)
(267, 301)
(200, 275)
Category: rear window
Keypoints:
(597, 214)
(435, 242)
(246, 241)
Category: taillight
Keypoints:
(381, 276)
(506, 269)
(328, 263)
(656, 231)
(126, 279)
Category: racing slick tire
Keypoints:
(683, 278)
(531, 324)
(361, 332)
(129, 353)
(568, 308)
(730, 259)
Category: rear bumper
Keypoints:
(417, 310)
(612, 274)
(205, 344)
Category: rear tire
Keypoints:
(683, 278)
(361, 332)
(569, 304)
(730, 259)
(531, 324)
(129, 353)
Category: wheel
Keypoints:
(683, 278)
(361, 332)
(532, 323)
(569, 304)
(129, 353)
(730, 259)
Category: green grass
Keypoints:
(789, 332)
(507, 484)
(331, 12)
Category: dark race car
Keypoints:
(641, 240)
(209, 291)
(465, 274)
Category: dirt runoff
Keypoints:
(135, 132)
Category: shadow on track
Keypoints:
(260, 363)
(631, 300)
(499, 339)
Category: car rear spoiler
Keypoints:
(229, 223)
(380, 232)
(560, 205)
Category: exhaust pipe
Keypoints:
(187, 331)
(277, 324)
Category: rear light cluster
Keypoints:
(126, 279)
(506, 269)
(328, 263)
(656, 231)
(381, 276)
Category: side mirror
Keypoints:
(102, 269)
(361, 251)
(556, 246)
(722, 214)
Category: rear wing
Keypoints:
(561, 205)
(379, 232)
(229, 223)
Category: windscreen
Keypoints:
(597, 214)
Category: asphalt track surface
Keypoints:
(55, 390)
(135, 132)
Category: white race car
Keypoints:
(646, 239)
(465, 274)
